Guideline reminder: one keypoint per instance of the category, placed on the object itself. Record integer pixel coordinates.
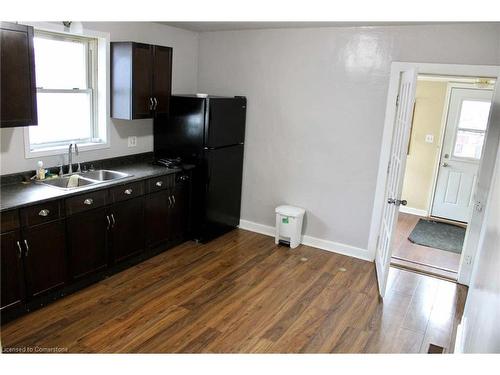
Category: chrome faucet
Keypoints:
(70, 157)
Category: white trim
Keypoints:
(335, 247)
(102, 81)
(486, 166)
(413, 211)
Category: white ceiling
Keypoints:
(224, 26)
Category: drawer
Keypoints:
(41, 213)
(85, 202)
(127, 191)
(159, 183)
(10, 220)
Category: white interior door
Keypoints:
(395, 173)
(466, 123)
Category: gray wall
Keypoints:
(482, 331)
(316, 102)
(184, 79)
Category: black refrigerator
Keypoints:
(210, 133)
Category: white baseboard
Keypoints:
(413, 211)
(335, 247)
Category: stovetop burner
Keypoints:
(170, 162)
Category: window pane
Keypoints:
(60, 64)
(468, 144)
(474, 115)
(61, 117)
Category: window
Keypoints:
(66, 79)
(471, 129)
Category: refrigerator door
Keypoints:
(226, 122)
(223, 190)
(182, 133)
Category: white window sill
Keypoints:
(59, 150)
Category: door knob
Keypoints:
(397, 202)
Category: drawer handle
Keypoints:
(159, 183)
(128, 191)
(88, 201)
(44, 213)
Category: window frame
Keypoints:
(97, 77)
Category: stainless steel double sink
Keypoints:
(85, 179)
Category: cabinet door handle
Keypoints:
(114, 221)
(173, 199)
(159, 183)
(109, 222)
(128, 191)
(156, 103)
(88, 201)
(44, 212)
(27, 248)
(151, 104)
(169, 201)
(19, 250)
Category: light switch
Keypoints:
(429, 138)
(132, 141)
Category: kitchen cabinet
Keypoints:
(17, 76)
(180, 207)
(141, 80)
(12, 271)
(88, 242)
(44, 257)
(157, 215)
(127, 228)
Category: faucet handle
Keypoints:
(61, 172)
(79, 169)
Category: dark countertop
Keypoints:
(18, 195)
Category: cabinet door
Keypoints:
(162, 79)
(157, 215)
(12, 270)
(87, 240)
(142, 81)
(17, 78)
(45, 257)
(127, 229)
(179, 210)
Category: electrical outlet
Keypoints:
(468, 259)
(132, 141)
(429, 138)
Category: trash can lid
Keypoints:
(290, 211)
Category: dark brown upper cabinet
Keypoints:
(141, 80)
(18, 88)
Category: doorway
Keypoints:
(447, 135)
(393, 157)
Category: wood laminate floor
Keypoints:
(241, 293)
(423, 258)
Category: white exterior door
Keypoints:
(395, 173)
(466, 123)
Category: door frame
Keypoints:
(444, 124)
(486, 165)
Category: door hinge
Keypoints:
(388, 166)
(478, 207)
(397, 100)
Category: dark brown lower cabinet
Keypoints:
(179, 210)
(127, 228)
(44, 257)
(12, 270)
(87, 242)
(157, 217)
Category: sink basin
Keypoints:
(104, 175)
(62, 183)
(85, 179)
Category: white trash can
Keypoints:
(289, 225)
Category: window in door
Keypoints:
(471, 129)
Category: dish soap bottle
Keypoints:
(40, 172)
